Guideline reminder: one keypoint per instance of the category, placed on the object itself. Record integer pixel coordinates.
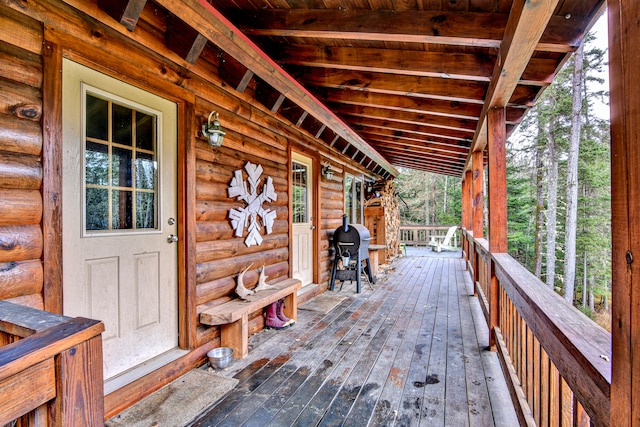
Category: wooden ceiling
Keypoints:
(414, 77)
(412, 80)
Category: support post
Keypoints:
(478, 211)
(478, 195)
(496, 140)
(624, 62)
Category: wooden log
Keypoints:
(33, 300)
(20, 65)
(20, 243)
(20, 207)
(208, 271)
(20, 136)
(210, 230)
(20, 278)
(221, 249)
(212, 191)
(207, 210)
(224, 287)
(20, 30)
(20, 171)
(242, 126)
(20, 100)
(274, 162)
(222, 167)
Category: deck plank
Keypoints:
(411, 352)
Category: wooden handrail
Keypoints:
(577, 346)
(555, 359)
(54, 369)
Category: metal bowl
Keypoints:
(220, 357)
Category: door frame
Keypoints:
(52, 181)
(315, 210)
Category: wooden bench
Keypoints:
(233, 316)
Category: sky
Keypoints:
(601, 33)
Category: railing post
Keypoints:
(497, 206)
(624, 34)
(79, 400)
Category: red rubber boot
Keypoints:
(272, 321)
(280, 314)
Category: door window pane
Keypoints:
(299, 175)
(114, 200)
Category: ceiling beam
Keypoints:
(468, 125)
(456, 137)
(420, 87)
(461, 110)
(527, 22)
(221, 32)
(463, 66)
(402, 26)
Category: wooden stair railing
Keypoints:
(50, 368)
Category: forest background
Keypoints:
(558, 185)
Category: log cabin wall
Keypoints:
(21, 237)
(37, 33)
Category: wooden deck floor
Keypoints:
(410, 352)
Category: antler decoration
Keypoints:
(262, 281)
(240, 289)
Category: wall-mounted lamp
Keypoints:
(327, 171)
(213, 131)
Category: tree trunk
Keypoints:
(572, 179)
(552, 203)
(539, 204)
(584, 280)
(446, 182)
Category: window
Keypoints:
(299, 174)
(120, 166)
(353, 205)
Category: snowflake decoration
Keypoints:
(247, 216)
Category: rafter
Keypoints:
(407, 26)
(461, 66)
(220, 31)
(407, 117)
(527, 22)
(461, 110)
(454, 136)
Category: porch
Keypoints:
(412, 351)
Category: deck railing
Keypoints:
(50, 368)
(421, 235)
(556, 360)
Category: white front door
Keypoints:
(119, 213)
(302, 218)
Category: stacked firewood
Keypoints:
(391, 218)
(389, 202)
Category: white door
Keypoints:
(302, 218)
(119, 210)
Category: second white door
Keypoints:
(302, 218)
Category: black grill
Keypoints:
(351, 246)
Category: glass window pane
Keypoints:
(97, 163)
(145, 125)
(348, 197)
(97, 209)
(122, 209)
(357, 212)
(145, 210)
(97, 118)
(299, 193)
(122, 131)
(121, 167)
(146, 171)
